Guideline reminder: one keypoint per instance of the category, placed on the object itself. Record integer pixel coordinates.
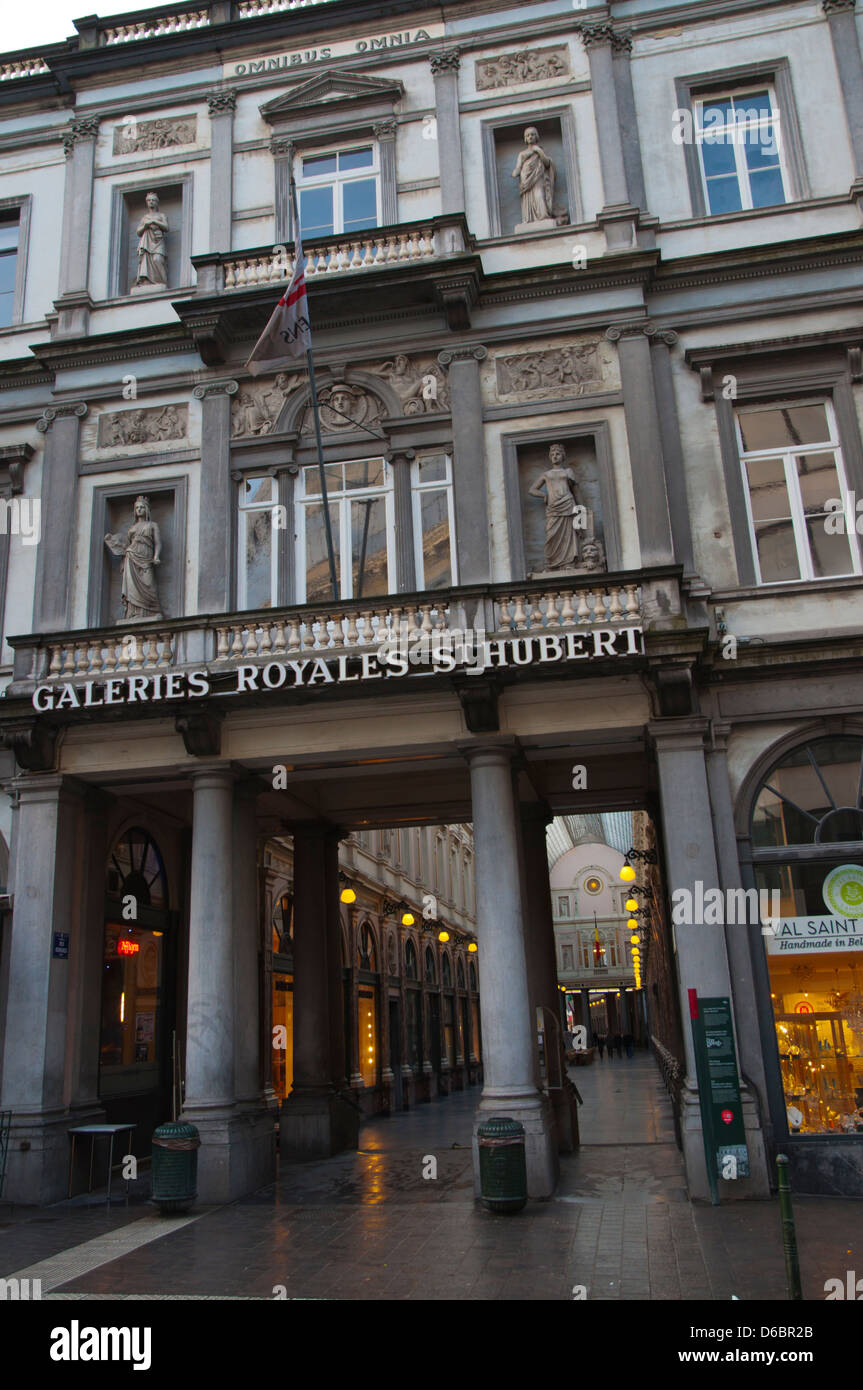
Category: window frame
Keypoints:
(21, 204)
(343, 500)
(792, 484)
(776, 74)
(417, 488)
(735, 94)
(337, 181)
(242, 597)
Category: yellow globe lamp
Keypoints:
(443, 936)
(627, 873)
(635, 939)
(632, 924)
(408, 919)
(631, 904)
(348, 895)
(472, 946)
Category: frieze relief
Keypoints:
(147, 426)
(419, 383)
(579, 368)
(255, 409)
(528, 65)
(166, 133)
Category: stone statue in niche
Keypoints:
(418, 389)
(152, 252)
(565, 517)
(140, 549)
(535, 172)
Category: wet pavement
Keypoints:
(370, 1225)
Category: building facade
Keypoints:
(583, 284)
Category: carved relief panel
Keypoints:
(571, 367)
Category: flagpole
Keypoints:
(310, 361)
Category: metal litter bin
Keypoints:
(502, 1170)
(175, 1166)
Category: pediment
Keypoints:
(334, 88)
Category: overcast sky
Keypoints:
(50, 21)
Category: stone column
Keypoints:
(661, 343)
(846, 48)
(618, 217)
(221, 111)
(469, 463)
(385, 133)
(542, 963)
(216, 565)
(61, 425)
(445, 68)
(700, 949)
(334, 966)
(316, 1121)
(41, 1071)
(74, 303)
(211, 1018)
(644, 436)
(405, 557)
(621, 47)
(509, 1047)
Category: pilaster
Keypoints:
(74, 304)
(216, 566)
(220, 106)
(469, 462)
(61, 425)
(445, 66)
(618, 217)
(644, 435)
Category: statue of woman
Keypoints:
(562, 512)
(152, 254)
(140, 549)
(534, 170)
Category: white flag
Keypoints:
(288, 333)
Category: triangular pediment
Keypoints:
(330, 89)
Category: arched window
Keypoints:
(411, 971)
(430, 972)
(135, 867)
(446, 972)
(806, 827)
(366, 955)
(459, 974)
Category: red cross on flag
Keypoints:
(288, 333)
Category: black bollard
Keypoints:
(789, 1235)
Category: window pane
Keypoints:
(360, 204)
(257, 528)
(312, 479)
(830, 554)
(368, 473)
(761, 148)
(816, 474)
(437, 559)
(718, 155)
(9, 235)
(318, 585)
(783, 428)
(752, 106)
(258, 490)
(767, 489)
(8, 266)
(369, 547)
(777, 553)
(356, 159)
(433, 470)
(715, 113)
(723, 195)
(766, 188)
(319, 164)
(316, 211)
(6, 304)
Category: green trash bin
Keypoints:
(175, 1166)
(502, 1171)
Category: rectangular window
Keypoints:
(258, 553)
(434, 522)
(792, 467)
(339, 191)
(360, 500)
(9, 234)
(740, 150)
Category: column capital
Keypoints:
(82, 128)
(58, 412)
(621, 41)
(638, 327)
(282, 147)
(503, 748)
(475, 352)
(221, 103)
(448, 60)
(215, 388)
(385, 130)
(679, 732)
(593, 35)
(215, 775)
(835, 6)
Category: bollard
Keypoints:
(789, 1235)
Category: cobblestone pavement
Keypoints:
(367, 1225)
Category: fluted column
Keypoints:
(74, 303)
(221, 107)
(216, 565)
(509, 1047)
(61, 425)
(445, 68)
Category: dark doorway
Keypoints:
(434, 1035)
(396, 1053)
